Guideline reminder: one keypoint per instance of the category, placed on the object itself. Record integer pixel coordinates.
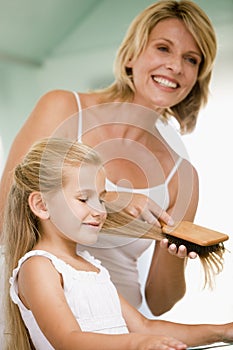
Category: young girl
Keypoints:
(61, 299)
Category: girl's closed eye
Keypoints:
(82, 199)
(102, 197)
(85, 199)
(101, 200)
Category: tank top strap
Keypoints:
(172, 172)
(80, 116)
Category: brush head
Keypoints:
(202, 251)
(195, 238)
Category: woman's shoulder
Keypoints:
(60, 99)
(65, 101)
(51, 110)
(187, 166)
(186, 172)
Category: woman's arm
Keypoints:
(166, 279)
(191, 335)
(49, 113)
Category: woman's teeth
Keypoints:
(165, 82)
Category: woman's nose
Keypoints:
(175, 64)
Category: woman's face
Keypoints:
(166, 71)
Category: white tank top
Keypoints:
(128, 259)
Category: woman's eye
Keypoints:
(162, 48)
(192, 60)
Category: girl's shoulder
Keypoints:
(34, 253)
(60, 265)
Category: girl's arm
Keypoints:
(45, 298)
(166, 279)
(191, 335)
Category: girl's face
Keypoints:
(77, 210)
(166, 71)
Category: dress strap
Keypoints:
(80, 117)
(176, 166)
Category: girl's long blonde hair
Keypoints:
(135, 41)
(43, 170)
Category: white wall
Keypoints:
(18, 93)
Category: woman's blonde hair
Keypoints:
(135, 41)
(43, 170)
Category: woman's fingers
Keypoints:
(150, 218)
(180, 252)
(145, 208)
(161, 214)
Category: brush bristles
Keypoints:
(202, 251)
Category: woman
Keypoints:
(157, 75)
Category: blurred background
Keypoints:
(71, 44)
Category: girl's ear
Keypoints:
(37, 205)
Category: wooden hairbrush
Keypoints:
(196, 238)
(207, 243)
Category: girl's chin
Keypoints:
(92, 239)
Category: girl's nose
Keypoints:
(98, 209)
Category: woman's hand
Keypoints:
(156, 342)
(179, 252)
(227, 333)
(140, 206)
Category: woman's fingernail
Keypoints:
(170, 222)
(133, 212)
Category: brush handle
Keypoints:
(197, 234)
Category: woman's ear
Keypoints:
(129, 63)
(38, 206)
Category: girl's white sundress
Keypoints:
(91, 296)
